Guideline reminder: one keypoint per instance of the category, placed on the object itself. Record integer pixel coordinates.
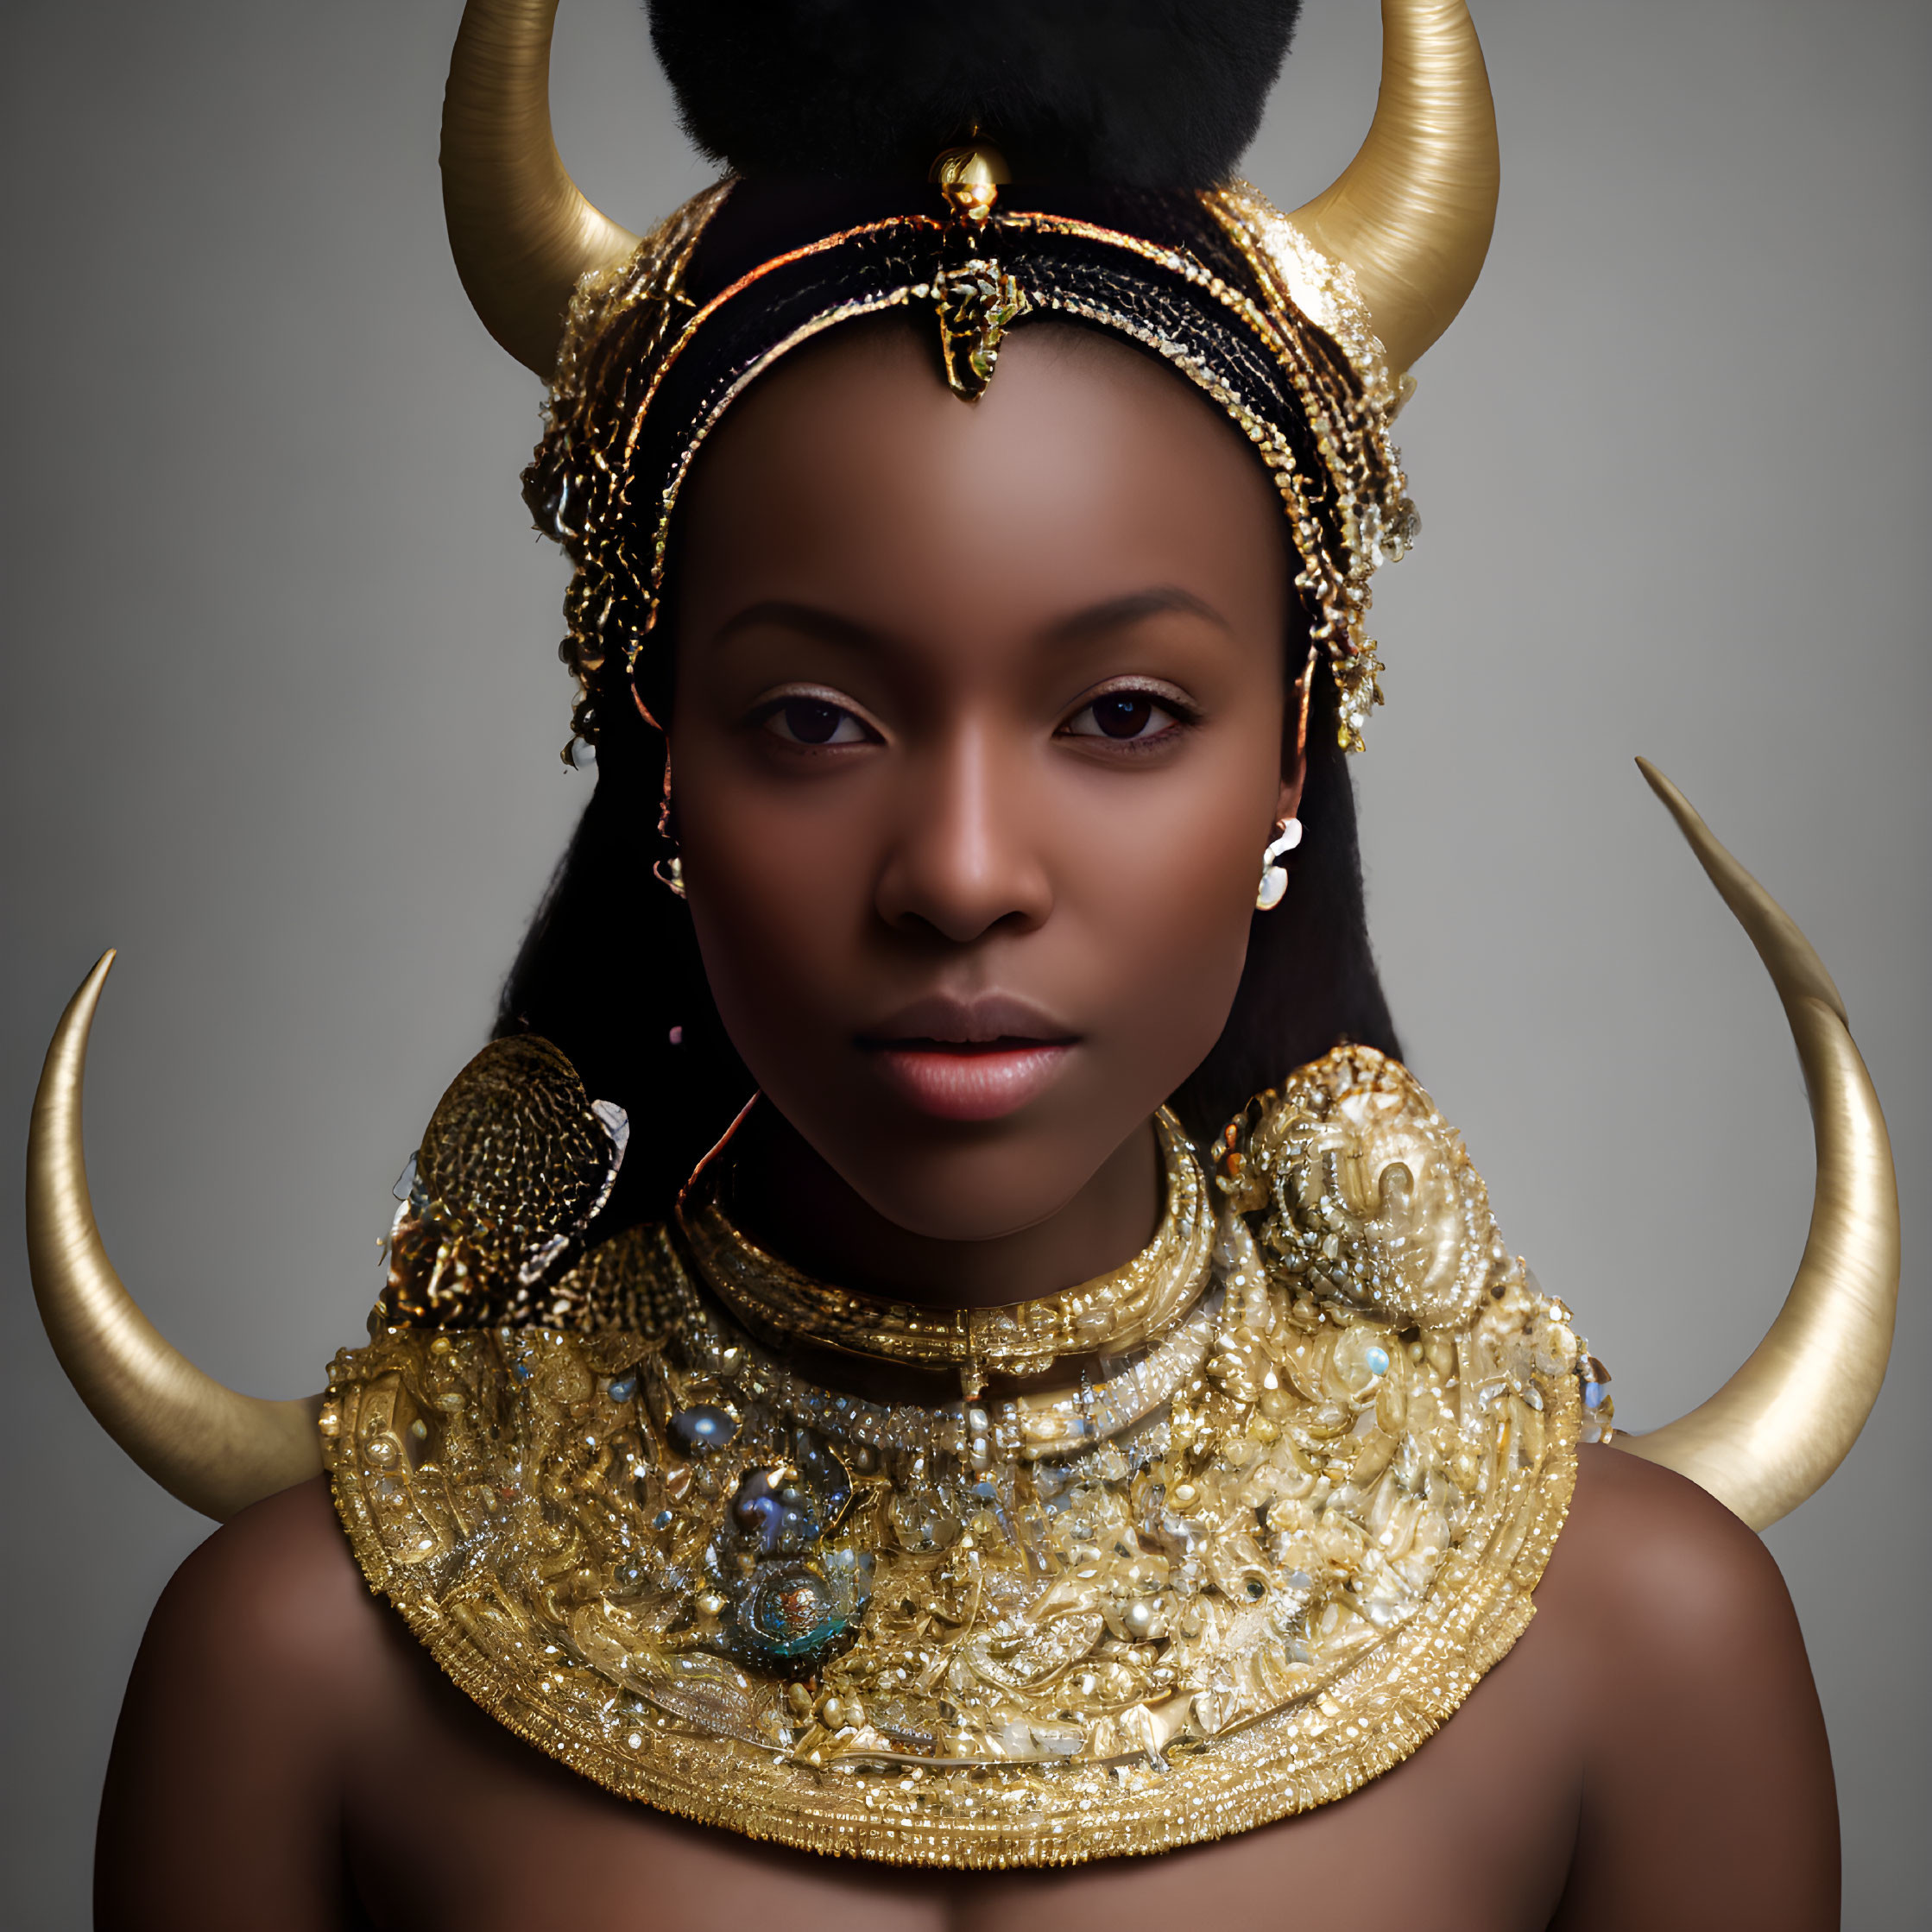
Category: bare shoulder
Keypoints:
(223, 1798)
(1649, 1563)
(1635, 1525)
(1705, 1791)
(275, 1592)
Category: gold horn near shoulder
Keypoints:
(1775, 1431)
(1412, 213)
(216, 1450)
(520, 230)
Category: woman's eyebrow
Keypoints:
(807, 619)
(1117, 613)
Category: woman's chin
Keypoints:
(979, 1213)
(981, 1182)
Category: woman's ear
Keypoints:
(1294, 741)
(1290, 804)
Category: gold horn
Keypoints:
(1777, 1429)
(216, 1450)
(1411, 214)
(522, 232)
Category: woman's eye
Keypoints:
(812, 721)
(1122, 714)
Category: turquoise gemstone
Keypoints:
(793, 1612)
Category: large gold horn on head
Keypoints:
(1411, 214)
(214, 1449)
(522, 231)
(1777, 1429)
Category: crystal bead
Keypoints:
(702, 1426)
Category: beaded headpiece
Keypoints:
(1301, 327)
(1223, 290)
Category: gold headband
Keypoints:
(1268, 329)
(1378, 265)
(1409, 218)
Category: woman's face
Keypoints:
(977, 741)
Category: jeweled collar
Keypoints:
(1135, 1304)
(1252, 1570)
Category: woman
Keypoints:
(952, 1563)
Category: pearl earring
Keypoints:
(1274, 878)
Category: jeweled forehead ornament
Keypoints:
(1300, 327)
(977, 301)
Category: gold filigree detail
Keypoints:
(516, 1162)
(1351, 409)
(1374, 1199)
(648, 1547)
(969, 179)
(1114, 1313)
(1347, 508)
(978, 301)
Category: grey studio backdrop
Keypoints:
(281, 717)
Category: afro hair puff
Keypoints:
(1135, 93)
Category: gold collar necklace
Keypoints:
(1131, 1308)
(1234, 1579)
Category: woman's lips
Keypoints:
(977, 1081)
(969, 1057)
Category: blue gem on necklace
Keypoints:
(702, 1426)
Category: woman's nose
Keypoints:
(967, 854)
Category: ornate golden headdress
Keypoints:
(1300, 327)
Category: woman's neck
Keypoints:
(784, 1194)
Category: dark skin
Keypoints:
(908, 780)
(965, 599)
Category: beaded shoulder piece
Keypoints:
(1229, 1578)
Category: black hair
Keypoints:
(1138, 93)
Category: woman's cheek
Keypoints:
(1193, 969)
(1164, 956)
(1171, 903)
(777, 905)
